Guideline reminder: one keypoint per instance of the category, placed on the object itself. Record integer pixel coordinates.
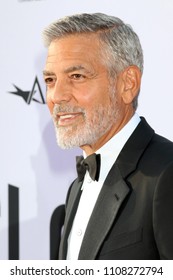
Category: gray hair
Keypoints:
(120, 44)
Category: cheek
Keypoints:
(49, 103)
(91, 96)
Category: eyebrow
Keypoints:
(68, 70)
(48, 73)
(74, 68)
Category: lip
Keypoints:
(67, 118)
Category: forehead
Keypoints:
(74, 47)
(74, 40)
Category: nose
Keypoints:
(60, 92)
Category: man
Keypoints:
(93, 76)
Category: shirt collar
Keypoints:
(116, 143)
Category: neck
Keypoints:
(90, 149)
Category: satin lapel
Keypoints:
(111, 196)
(72, 204)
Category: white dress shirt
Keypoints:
(91, 189)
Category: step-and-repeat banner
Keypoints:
(34, 172)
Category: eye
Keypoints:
(77, 76)
(49, 80)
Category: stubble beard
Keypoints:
(93, 126)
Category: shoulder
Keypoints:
(158, 148)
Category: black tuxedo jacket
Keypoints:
(133, 215)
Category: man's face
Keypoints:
(82, 98)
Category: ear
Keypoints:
(131, 78)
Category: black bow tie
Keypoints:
(91, 163)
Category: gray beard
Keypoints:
(91, 129)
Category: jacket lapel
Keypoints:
(109, 201)
(114, 191)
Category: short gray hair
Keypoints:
(121, 44)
